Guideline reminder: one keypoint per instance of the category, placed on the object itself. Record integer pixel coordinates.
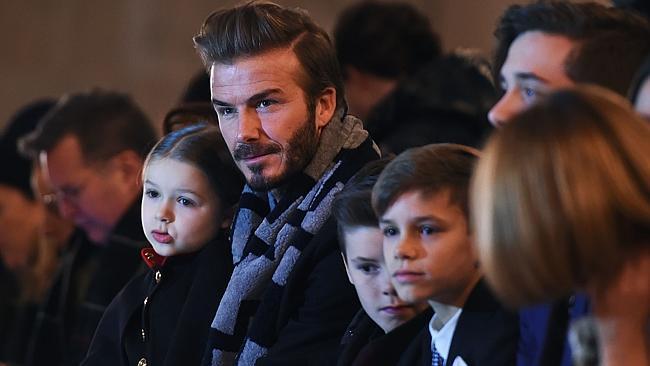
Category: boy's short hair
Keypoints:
(428, 169)
(352, 207)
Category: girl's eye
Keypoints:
(389, 231)
(185, 201)
(151, 193)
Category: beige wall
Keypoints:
(144, 46)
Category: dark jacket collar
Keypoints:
(128, 230)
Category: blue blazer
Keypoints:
(543, 330)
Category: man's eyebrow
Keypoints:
(526, 76)
(252, 99)
(218, 103)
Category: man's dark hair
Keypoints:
(428, 169)
(352, 207)
(385, 39)
(610, 43)
(15, 169)
(256, 27)
(105, 124)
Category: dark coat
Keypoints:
(181, 298)
(366, 344)
(486, 334)
(88, 279)
(318, 304)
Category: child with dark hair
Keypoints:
(381, 331)
(421, 200)
(163, 316)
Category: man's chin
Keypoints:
(96, 236)
(260, 183)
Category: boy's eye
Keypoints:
(368, 268)
(428, 230)
(185, 201)
(389, 231)
(151, 193)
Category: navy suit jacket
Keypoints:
(486, 334)
(543, 331)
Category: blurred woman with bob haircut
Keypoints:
(561, 202)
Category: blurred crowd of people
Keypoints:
(359, 198)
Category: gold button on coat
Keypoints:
(142, 362)
(158, 276)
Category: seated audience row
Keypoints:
(281, 238)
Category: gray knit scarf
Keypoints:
(268, 238)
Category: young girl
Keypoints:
(561, 203)
(163, 316)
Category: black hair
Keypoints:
(203, 146)
(105, 123)
(385, 39)
(352, 207)
(610, 43)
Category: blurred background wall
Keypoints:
(144, 47)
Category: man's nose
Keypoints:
(67, 209)
(249, 126)
(506, 108)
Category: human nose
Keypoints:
(67, 208)
(405, 249)
(249, 126)
(387, 288)
(164, 213)
(503, 111)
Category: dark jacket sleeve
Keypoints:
(106, 346)
(319, 305)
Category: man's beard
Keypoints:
(300, 150)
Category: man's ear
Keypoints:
(127, 165)
(347, 270)
(325, 107)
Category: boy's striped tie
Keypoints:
(436, 359)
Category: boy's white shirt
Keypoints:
(458, 361)
(442, 326)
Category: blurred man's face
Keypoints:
(535, 65)
(94, 196)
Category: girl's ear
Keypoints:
(227, 217)
(347, 270)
